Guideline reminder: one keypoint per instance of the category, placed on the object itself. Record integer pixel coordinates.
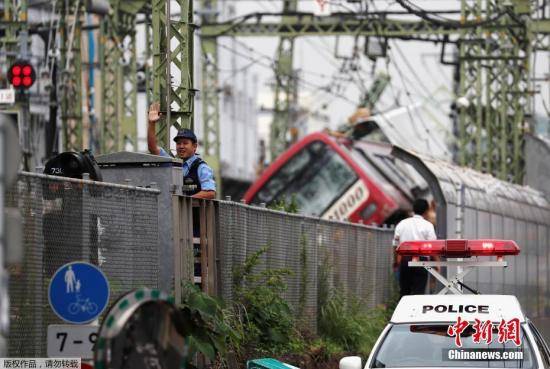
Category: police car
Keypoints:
(458, 330)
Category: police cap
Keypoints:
(186, 133)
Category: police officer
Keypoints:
(412, 280)
(198, 177)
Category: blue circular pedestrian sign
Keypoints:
(78, 292)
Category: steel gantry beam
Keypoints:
(306, 24)
(210, 90)
(173, 50)
(70, 85)
(347, 24)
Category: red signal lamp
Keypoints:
(458, 248)
(21, 75)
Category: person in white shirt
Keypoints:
(412, 281)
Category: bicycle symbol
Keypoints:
(83, 305)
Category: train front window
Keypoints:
(316, 177)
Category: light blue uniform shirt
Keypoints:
(205, 173)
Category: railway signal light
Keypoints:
(21, 75)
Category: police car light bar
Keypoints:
(458, 248)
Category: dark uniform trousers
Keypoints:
(412, 280)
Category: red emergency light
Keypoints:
(458, 248)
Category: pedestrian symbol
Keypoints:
(78, 292)
(69, 278)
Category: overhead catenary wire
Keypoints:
(353, 76)
(440, 69)
(255, 61)
(335, 82)
(392, 85)
(409, 95)
(320, 75)
(328, 89)
(413, 72)
(396, 129)
(269, 58)
(299, 79)
(429, 16)
(343, 6)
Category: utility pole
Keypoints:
(286, 90)
(70, 73)
(210, 90)
(173, 46)
(118, 76)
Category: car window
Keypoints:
(541, 344)
(429, 345)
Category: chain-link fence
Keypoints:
(116, 228)
(64, 220)
(322, 255)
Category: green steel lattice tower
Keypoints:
(176, 97)
(70, 72)
(119, 76)
(494, 67)
(285, 103)
(210, 90)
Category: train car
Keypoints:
(338, 178)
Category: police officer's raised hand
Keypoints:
(154, 115)
(154, 112)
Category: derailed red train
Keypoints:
(338, 178)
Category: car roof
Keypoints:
(447, 308)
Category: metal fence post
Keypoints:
(178, 234)
(211, 248)
(86, 219)
(182, 217)
(37, 224)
